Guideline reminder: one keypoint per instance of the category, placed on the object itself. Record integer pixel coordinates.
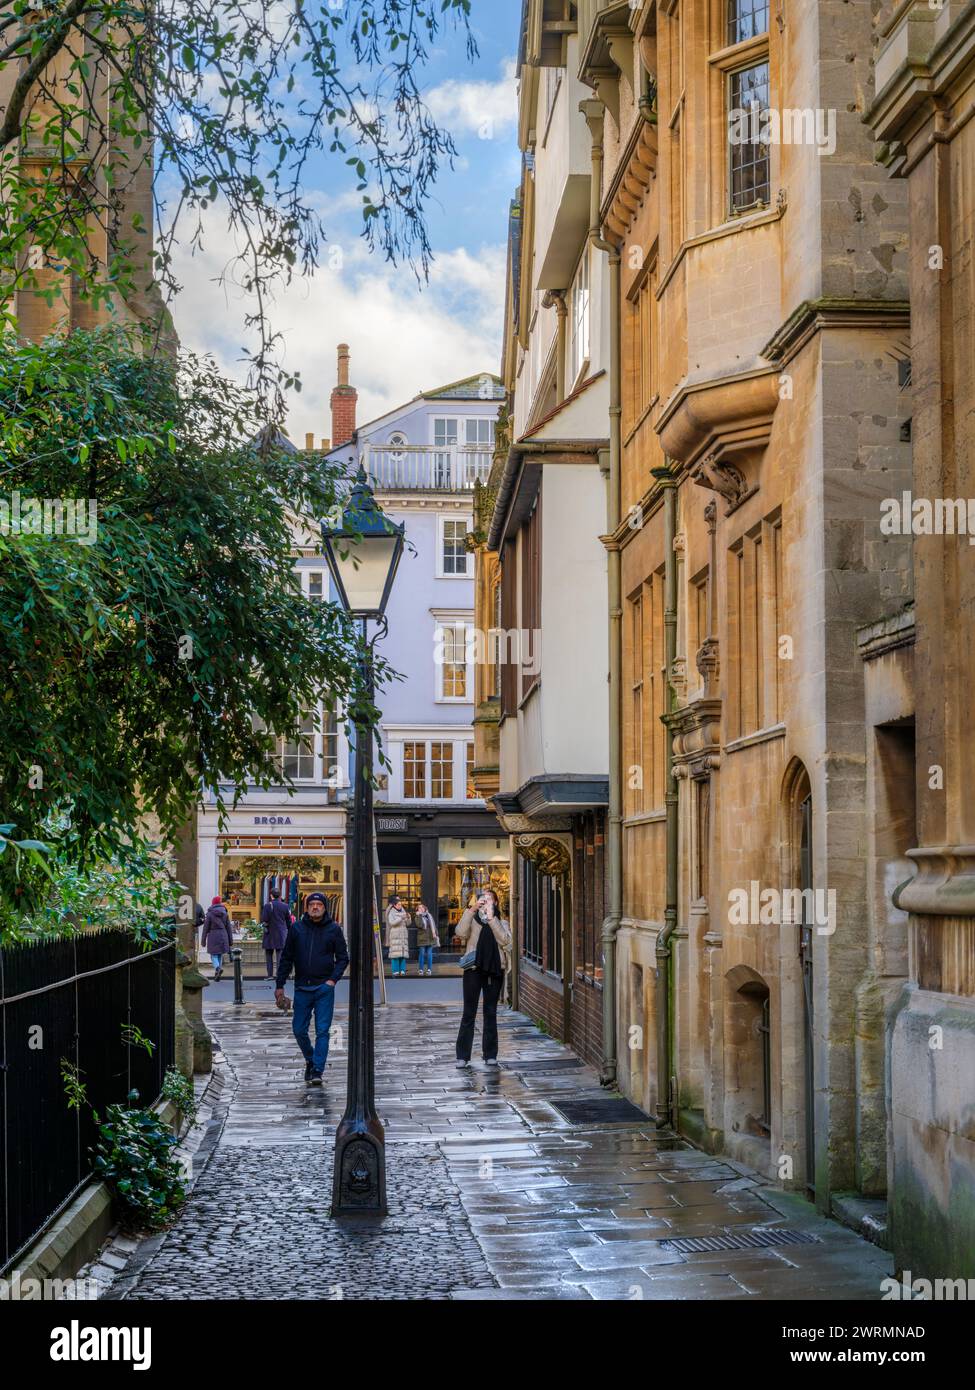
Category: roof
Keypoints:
(563, 406)
(467, 389)
(274, 437)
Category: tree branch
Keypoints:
(10, 129)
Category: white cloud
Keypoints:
(486, 109)
(403, 338)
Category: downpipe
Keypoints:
(664, 955)
(594, 112)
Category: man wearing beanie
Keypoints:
(315, 949)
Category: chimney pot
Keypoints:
(309, 442)
(326, 445)
(343, 402)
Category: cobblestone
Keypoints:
(492, 1193)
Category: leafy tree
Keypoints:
(231, 102)
(136, 668)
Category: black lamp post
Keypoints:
(363, 555)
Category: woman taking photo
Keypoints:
(488, 940)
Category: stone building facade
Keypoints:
(783, 897)
(919, 671)
(121, 215)
(763, 312)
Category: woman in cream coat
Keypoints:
(487, 936)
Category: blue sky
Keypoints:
(403, 339)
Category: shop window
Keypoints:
(414, 771)
(453, 554)
(245, 882)
(402, 884)
(458, 885)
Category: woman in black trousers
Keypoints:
(488, 938)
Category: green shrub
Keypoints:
(179, 1089)
(134, 1157)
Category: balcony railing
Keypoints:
(408, 467)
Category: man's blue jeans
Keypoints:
(322, 1001)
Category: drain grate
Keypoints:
(601, 1111)
(539, 1066)
(745, 1240)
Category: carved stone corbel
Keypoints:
(723, 478)
(696, 731)
(550, 855)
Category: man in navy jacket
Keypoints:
(315, 949)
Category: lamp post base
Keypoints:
(359, 1173)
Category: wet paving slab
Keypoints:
(493, 1193)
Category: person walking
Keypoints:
(488, 939)
(397, 935)
(315, 950)
(427, 937)
(218, 935)
(276, 919)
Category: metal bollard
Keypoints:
(238, 955)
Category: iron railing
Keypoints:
(407, 467)
(72, 1001)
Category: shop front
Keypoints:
(297, 852)
(443, 859)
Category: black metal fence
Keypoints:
(72, 1001)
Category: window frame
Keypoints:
(530, 545)
(757, 204)
(468, 522)
(579, 361)
(430, 738)
(724, 60)
(452, 622)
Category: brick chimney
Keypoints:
(344, 398)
